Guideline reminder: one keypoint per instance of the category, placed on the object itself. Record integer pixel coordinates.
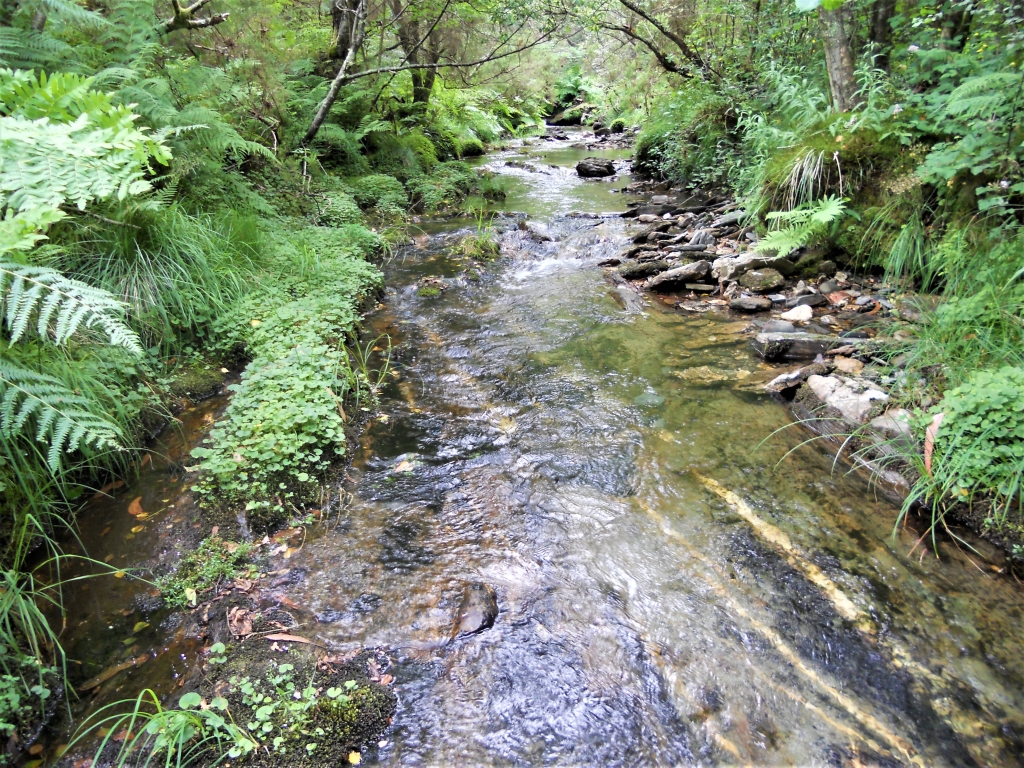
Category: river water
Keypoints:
(669, 593)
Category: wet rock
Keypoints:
(853, 398)
(828, 286)
(827, 268)
(602, 131)
(639, 270)
(793, 346)
(784, 384)
(798, 314)
(478, 610)
(762, 280)
(595, 167)
(702, 237)
(611, 261)
(778, 326)
(537, 232)
(751, 304)
(636, 250)
(643, 235)
(700, 287)
(679, 275)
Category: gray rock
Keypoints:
(731, 267)
(827, 268)
(595, 167)
(478, 610)
(762, 280)
(793, 346)
(778, 326)
(639, 270)
(729, 218)
(700, 287)
(828, 286)
(679, 275)
(853, 398)
(807, 300)
(632, 253)
(751, 304)
(864, 301)
(894, 424)
(643, 234)
(702, 237)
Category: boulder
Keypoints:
(762, 280)
(679, 275)
(639, 270)
(848, 365)
(853, 398)
(730, 218)
(793, 346)
(895, 425)
(595, 168)
(478, 610)
(751, 304)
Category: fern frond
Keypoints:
(39, 403)
(984, 96)
(59, 307)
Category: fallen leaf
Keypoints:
(135, 508)
(215, 530)
(105, 531)
(138, 529)
(191, 596)
(35, 749)
(122, 735)
(145, 460)
(288, 639)
(231, 547)
(244, 584)
(119, 574)
(240, 622)
(109, 673)
(404, 466)
(929, 441)
(355, 758)
(108, 558)
(140, 626)
(386, 679)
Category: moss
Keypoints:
(214, 561)
(471, 147)
(196, 381)
(428, 291)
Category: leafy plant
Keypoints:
(800, 226)
(203, 569)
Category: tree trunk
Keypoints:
(838, 59)
(342, 13)
(354, 35)
(882, 12)
(956, 27)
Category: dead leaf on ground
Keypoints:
(135, 508)
(239, 621)
(405, 466)
(245, 585)
(230, 546)
(288, 639)
(386, 679)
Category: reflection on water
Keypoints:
(667, 594)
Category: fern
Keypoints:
(58, 416)
(59, 307)
(985, 96)
(798, 227)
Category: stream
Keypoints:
(669, 592)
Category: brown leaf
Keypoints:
(929, 441)
(245, 585)
(122, 735)
(239, 621)
(101, 678)
(135, 508)
(230, 546)
(289, 639)
(145, 460)
(35, 749)
(386, 679)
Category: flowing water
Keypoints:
(669, 593)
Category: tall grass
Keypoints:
(175, 269)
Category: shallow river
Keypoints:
(669, 593)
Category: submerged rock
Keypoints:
(478, 610)
(595, 167)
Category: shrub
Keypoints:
(446, 187)
(422, 147)
(341, 209)
(979, 446)
(381, 192)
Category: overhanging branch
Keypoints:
(185, 18)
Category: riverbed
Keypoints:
(673, 588)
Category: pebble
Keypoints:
(799, 314)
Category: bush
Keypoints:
(341, 209)
(381, 192)
(470, 147)
(446, 187)
(979, 446)
(422, 147)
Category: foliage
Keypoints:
(801, 226)
(213, 562)
(383, 194)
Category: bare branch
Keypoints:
(185, 18)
